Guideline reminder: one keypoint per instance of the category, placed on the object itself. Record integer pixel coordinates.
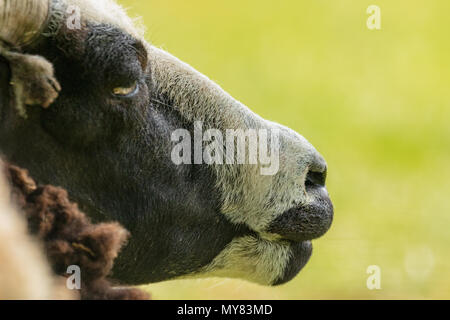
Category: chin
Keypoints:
(261, 261)
(301, 252)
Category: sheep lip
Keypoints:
(306, 221)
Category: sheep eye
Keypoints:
(126, 91)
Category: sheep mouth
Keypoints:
(307, 221)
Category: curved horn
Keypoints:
(22, 21)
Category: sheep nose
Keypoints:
(317, 172)
(313, 217)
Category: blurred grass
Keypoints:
(376, 104)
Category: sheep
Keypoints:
(106, 139)
(24, 271)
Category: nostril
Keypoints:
(316, 178)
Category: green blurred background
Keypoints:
(375, 103)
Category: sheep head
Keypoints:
(108, 140)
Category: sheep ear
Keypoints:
(142, 54)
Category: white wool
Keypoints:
(258, 260)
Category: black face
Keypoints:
(104, 133)
(107, 140)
